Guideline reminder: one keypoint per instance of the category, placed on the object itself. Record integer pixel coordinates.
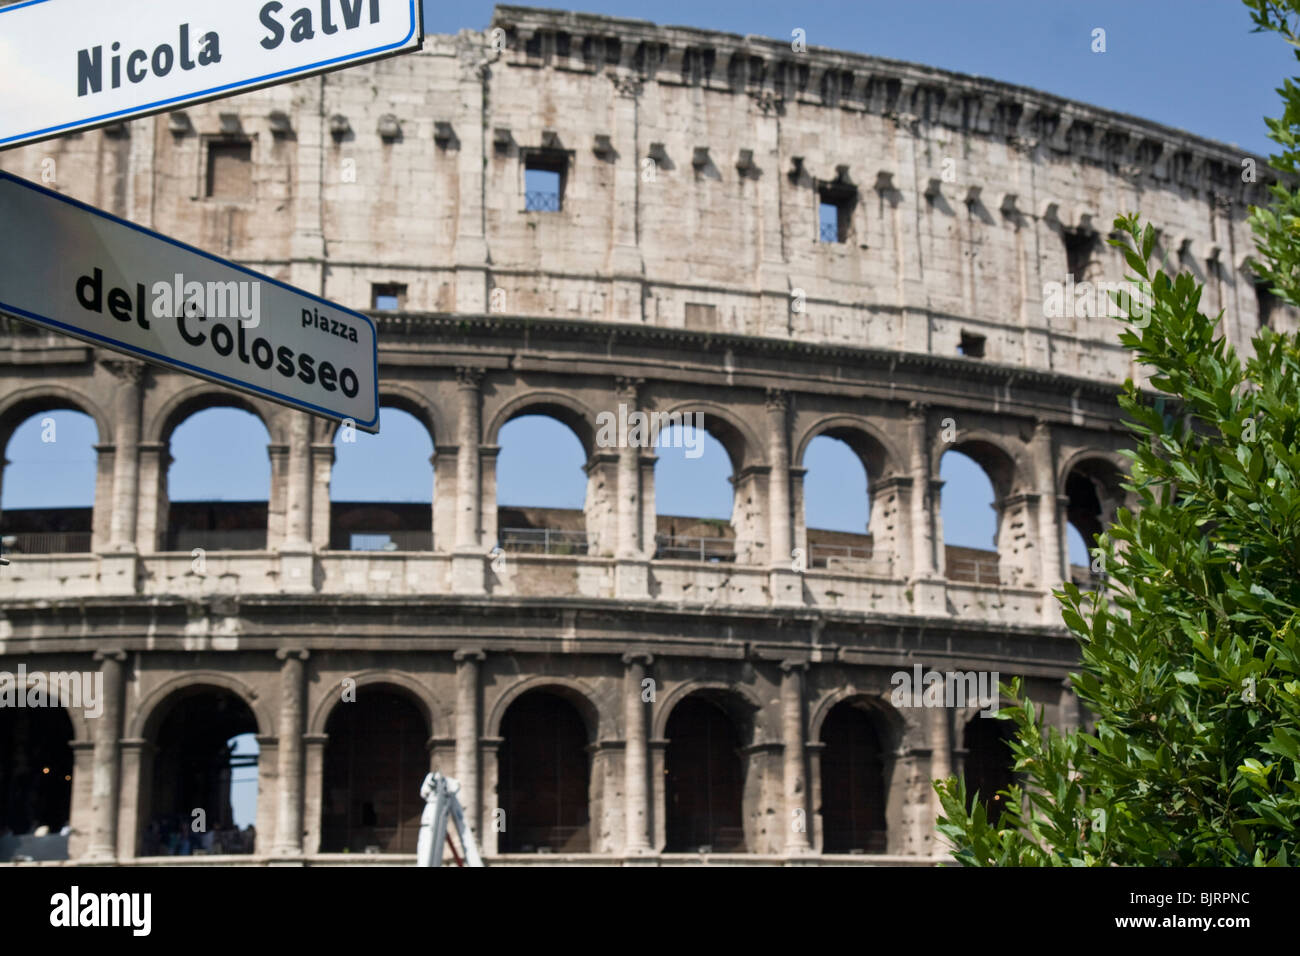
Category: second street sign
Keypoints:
(67, 65)
(83, 272)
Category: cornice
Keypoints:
(910, 93)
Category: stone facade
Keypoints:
(683, 272)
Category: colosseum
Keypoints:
(789, 243)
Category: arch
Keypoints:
(544, 774)
(36, 768)
(706, 770)
(200, 397)
(599, 725)
(877, 452)
(23, 403)
(856, 767)
(558, 405)
(1091, 485)
(406, 399)
(153, 708)
(741, 442)
(1006, 469)
(1091, 458)
(190, 767)
(375, 756)
(877, 702)
(989, 763)
(419, 694)
(748, 697)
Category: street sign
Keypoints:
(83, 272)
(68, 65)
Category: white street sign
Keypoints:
(83, 272)
(73, 64)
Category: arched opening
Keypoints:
(853, 784)
(1093, 497)
(375, 761)
(544, 776)
(219, 482)
(381, 486)
(988, 764)
(542, 489)
(704, 779)
(969, 515)
(48, 496)
(837, 503)
(35, 781)
(200, 772)
(695, 496)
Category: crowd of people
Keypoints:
(174, 836)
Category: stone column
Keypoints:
(632, 571)
(941, 766)
(470, 253)
(313, 791)
(489, 752)
(322, 467)
(293, 690)
(924, 545)
(102, 513)
(126, 461)
(467, 732)
(795, 760)
(1050, 532)
(627, 303)
(107, 767)
(636, 756)
(155, 457)
(467, 563)
(785, 584)
(296, 563)
(778, 443)
(279, 458)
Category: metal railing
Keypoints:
(830, 232)
(689, 548)
(541, 201)
(542, 541)
(49, 542)
(972, 569)
(818, 554)
(411, 540)
(242, 539)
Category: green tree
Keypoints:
(1191, 651)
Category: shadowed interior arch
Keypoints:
(544, 775)
(36, 766)
(705, 778)
(375, 761)
(191, 770)
(853, 780)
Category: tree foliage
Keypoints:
(1191, 650)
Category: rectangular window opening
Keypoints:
(230, 169)
(835, 213)
(387, 297)
(971, 345)
(544, 182)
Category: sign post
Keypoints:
(68, 65)
(88, 274)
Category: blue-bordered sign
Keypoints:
(68, 65)
(83, 272)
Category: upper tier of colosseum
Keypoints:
(693, 165)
